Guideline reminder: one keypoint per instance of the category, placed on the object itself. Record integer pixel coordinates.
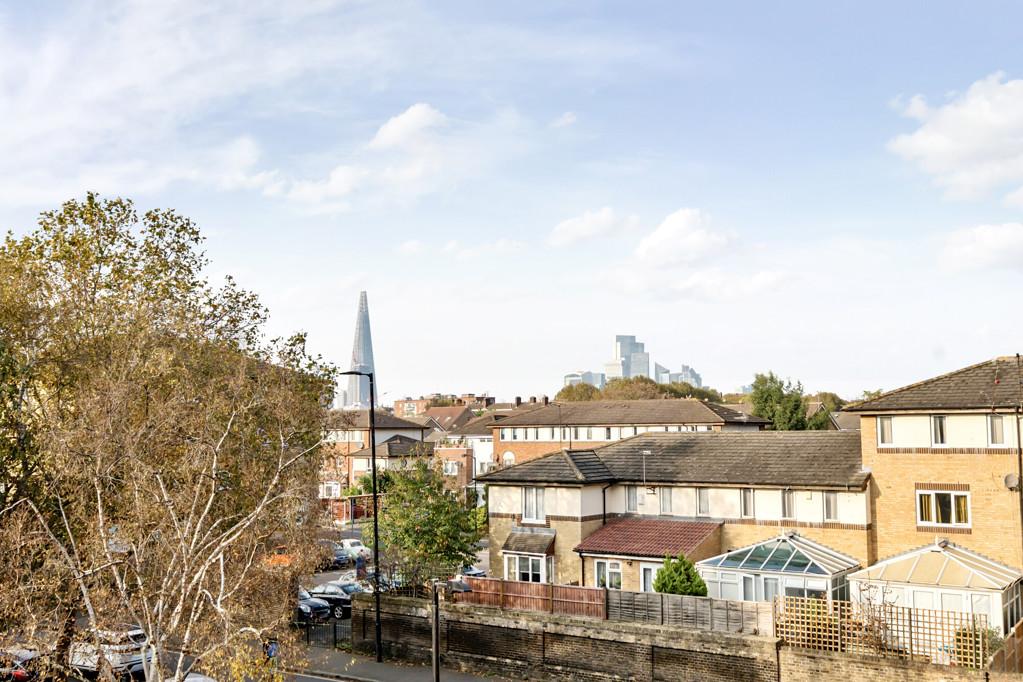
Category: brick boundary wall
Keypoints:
(540, 646)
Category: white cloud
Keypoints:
(973, 144)
(685, 236)
(566, 119)
(984, 247)
(590, 224)
(408, 127)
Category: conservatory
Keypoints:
(944, 577)
(788, 565)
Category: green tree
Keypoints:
(685, 390)
(679, 576)
(779, 401)
(830, 400)
(871, 395)
(578, 392)
(634, 388)
(425, 526)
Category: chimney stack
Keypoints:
(518, 401)
(546, 400)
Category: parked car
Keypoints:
(339, 600)
(456, 585)
(279, 557)
(335, 556)
(356, 545)
(123, 647)
(473, 572)
(20, 665)
(309, 609)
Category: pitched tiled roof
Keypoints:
(989, 384)
(826, 459)
(647, 537)
(399, 446)
(606, 412)
(531, 541)
(450, 417)
(847, 421)
(359, 419)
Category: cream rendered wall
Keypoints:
(961, 431)
(911, 431)
(767, 504)
(725, 503)
(592, 502)
(505, 499)
(556, 501)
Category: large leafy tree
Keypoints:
(154, 443)
(780, 401)
(578, 392)
(636, 388)
(427, 528)
(679, 576)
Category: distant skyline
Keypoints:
(831, 191)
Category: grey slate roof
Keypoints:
(816, 459)
(528, 542)
(986, 385)
(359, 419)
(606, 412)
(399, 446)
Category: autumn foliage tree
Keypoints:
(154, 443)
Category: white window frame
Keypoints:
(935, 420)
(631, 498)
(534, 494)
(885, 419)
(608, 567)
(747, 511)
(703, 501)
(508, 458)
(790, 513)
(450, 467)
(830, 503)
(934, 508)
(664, 494)
(535, 565)
(991, 430)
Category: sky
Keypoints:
(830, 191)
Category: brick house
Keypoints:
(589, 424)
(738, 487)
(348, 433)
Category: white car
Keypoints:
(356, 545)
(123, 646)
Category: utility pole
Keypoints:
(436, 630)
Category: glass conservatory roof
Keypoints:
(786, 554)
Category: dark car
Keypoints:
(20, 665)
(339, 600)
(309, 609)
(335, 557)
(473, 572)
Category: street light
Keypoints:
(376, 527)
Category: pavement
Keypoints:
(338, 665)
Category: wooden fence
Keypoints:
(1009, 659)
(510, 594)
(944, 637)
(693, 613)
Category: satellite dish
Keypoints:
(1011, 481)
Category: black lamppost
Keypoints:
(376, 527)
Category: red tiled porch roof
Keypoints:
(647, 537)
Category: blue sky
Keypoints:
(828, 190)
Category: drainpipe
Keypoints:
(603, 500)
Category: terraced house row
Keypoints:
(922, 504)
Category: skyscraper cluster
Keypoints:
(631, 359)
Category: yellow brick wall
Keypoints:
(996, 529)
(568, 534)
(631, 579)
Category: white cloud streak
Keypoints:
(589, 225)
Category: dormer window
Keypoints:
(938, 435)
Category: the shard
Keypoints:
(362, 357)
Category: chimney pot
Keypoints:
(546, 400)
(518, 401)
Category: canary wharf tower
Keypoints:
(362, 357)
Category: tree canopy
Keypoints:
(424, 526)
(153, 441)
(679, 576)
(636, 388)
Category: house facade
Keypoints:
(945, 461)
(736, 487)
(590, 424)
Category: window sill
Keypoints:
(952, 530)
